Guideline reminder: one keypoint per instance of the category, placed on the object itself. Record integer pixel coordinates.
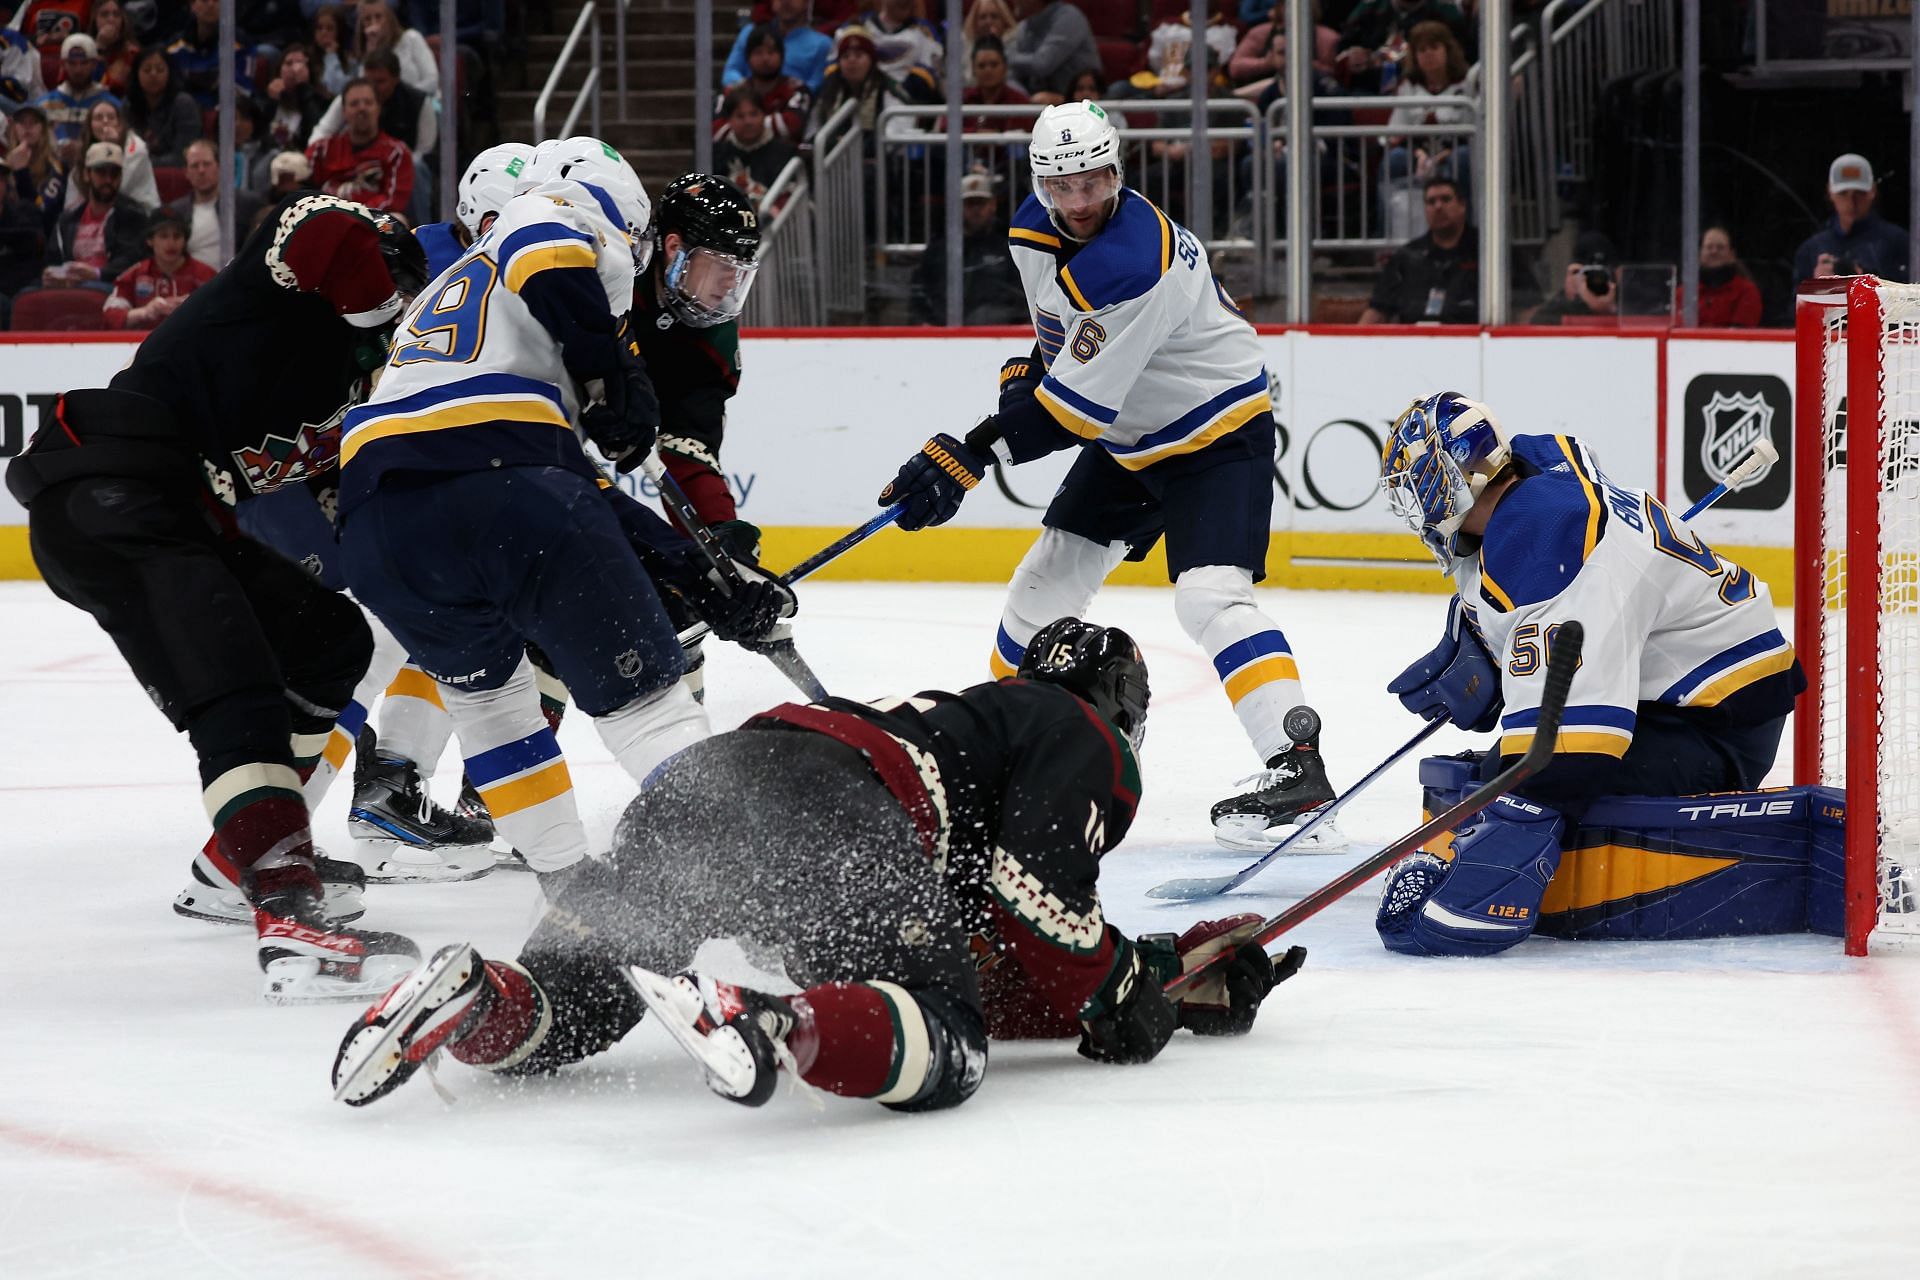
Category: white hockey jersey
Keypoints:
(1667, 620)
(1144, 352)
(474, 378)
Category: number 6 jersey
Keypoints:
(1144, 353)
(1667, 620)
(478, 376)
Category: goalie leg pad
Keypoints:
(1058, 578)
(1487, 899)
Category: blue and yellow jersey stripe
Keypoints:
(1083, 417)
(544, 246)
(1259, 660)
(520, 774)
(1198, 427)
(1050, 334)
(1592, 729)
(1731, 670)
(483, 399)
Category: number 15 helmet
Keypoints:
(1441, 455)
(1070, 139)
(709, 272)
(1101, 664)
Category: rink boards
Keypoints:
(823, 418)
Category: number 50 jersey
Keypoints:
(1667, 620)
(477, 377)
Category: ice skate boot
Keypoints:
(214, 893)
(307, 959)
(487, 1013)
(418, 841)
(739, 1037)
(1294, 782)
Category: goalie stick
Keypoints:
(781, 653)
(1561, 663)
(1209, 886)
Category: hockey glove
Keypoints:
(933, 481)
(1456, 679)
(1226, 1003)
(740, 539)
(1128, 1020)
(1018, 377)
(405, 257)
(622, 416)
(752, 612)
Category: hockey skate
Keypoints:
(307, 959)
(736, 1035)
(1281, 796)
(214, 894)
(391, 808)
(451, 1003)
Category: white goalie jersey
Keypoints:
(1144, 353)
(1667, 619)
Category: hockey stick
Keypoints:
(1762, 455)
(1209, 886)
(781, 653)
(1561, 663)
(819, 559)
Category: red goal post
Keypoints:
(1857, 587)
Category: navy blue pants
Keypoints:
(1214, 506)
(465, 568)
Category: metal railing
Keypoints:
(907, 166)
(587, 97)
(840, 214)
(1590, 44)
(786, 293)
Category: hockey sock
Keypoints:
(414, 725)
(648, 731)
(339, 742)
(1250, 655)
(861, 1040)
(515, 764)
(1057, 579)
(553, 696)
(258, 816)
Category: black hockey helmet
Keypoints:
(707, 277)
(1101, 664)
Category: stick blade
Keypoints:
(1189, 890)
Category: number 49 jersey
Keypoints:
(1144, 352)
(1667, 620)
(476, 378)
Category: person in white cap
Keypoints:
(1856, 240)
(68, 102)
(94, 242)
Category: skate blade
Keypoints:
(721, 1055)
(298, 980)
(1250, 835)
(383, 1053)
(340, 907)
(422, 866)
(510, 860)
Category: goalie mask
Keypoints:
(1101, 664)
(1439, 458)
(706, 275)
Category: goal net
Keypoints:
(1857, 587)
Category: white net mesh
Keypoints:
(1886, 701)
(1898, 659)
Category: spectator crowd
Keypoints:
(111, 170)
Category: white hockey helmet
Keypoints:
(490, 181)
(605, 172)
(1073, 138)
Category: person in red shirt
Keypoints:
(363, 163)
(147, 292)
(1729, 299)
(990, 88)
(785, 99)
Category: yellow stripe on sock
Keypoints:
(999, 666)
(1275, 666)
(339, 747)
(524, 793)
(412, 682)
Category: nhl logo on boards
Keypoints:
(1723, 415)
(1734, 424)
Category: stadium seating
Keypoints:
(61, 310)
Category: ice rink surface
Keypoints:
(1740, 1108)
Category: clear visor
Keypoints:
(1077, 192)
(707, 287)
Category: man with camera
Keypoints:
(1856, 240)
(1587, 294)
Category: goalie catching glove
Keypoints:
(1226, 1003)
